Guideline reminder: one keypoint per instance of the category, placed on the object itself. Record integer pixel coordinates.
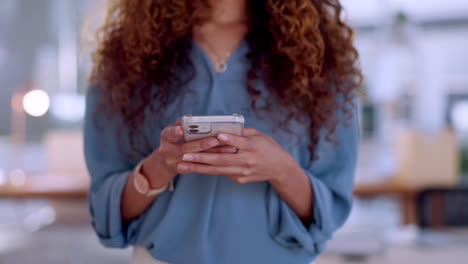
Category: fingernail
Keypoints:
(179, 131)
(222, 137)
(213, 142)
(187, 157)
(241, 180)
(183, 167)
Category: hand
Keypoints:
(161, 166)
(259, 158)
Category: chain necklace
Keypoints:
(221, 61)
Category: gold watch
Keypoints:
(142, 184)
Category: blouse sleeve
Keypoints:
(109, 170)
(331, 177)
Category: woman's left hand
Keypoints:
(259, 158)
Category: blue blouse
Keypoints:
(210, 219)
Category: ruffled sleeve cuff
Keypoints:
(288, 229)
(105, 206)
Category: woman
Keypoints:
(275, 194)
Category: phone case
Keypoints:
(198, 127)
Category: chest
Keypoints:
(211, 93)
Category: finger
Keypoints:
(217, 159)
(250, 131)
(221, 149)
(239, 142)
(199, 145)
(172, 133)
(186, 167)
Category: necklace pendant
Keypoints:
(221, 67)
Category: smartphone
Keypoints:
(198, 127)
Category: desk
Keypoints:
(53, 185)
(50, 185)
(407, 197)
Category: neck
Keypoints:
(229, 11)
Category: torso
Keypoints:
(210, 217)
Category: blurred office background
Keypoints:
(411, 193)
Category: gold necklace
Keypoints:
(221, 61)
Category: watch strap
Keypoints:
(150, 192)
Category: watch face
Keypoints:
(141, 184)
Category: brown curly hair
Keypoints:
(302, 49)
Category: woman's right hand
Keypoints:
(161, 166)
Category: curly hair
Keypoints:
(302, 49)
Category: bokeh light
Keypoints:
(39, 219)
(68, 107)
(36, 103)
(460, 116)
(3, 178)
(17, 177)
